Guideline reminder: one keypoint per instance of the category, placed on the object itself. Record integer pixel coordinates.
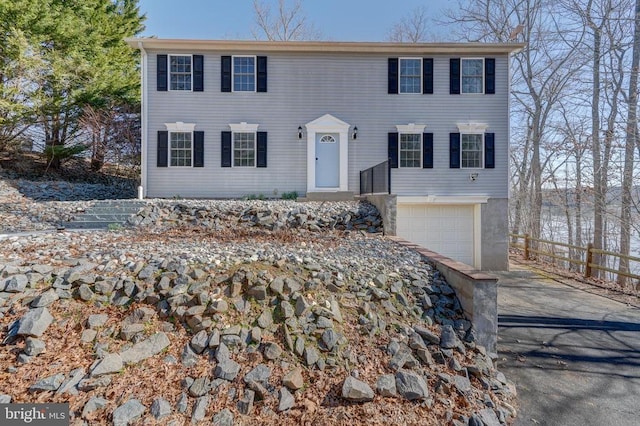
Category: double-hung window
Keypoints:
(180, 149)
(180, 72)
(471, 150)
(244, 149)
(410, 75)
(244, 73)
(472, 75)
(410, 150)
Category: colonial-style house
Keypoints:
(231, 118)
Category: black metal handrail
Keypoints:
(376, 179)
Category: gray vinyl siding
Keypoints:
(302, 88)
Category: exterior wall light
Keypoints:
(299, 132)
(355, 132)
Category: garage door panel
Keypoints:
(446, 229)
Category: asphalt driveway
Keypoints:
(574, 356)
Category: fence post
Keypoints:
(589, 261)
(526, 246)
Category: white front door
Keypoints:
(327, 160)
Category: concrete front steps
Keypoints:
(329, 196)
(105, 214)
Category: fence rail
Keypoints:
(580, 256)
(376, 179)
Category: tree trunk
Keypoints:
(630, 142)
(598, 191)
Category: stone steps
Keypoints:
(105, 214)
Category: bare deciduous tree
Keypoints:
(286, 24)
(412, 28)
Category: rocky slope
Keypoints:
(241, 313)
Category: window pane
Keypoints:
(472, 150)
(410, 150)
(472, 75)
(244, 149)
(180, 72)
(180, 151)
(244, 74)
(410, 75)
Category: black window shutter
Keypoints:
(261, 148)
(427, 75)
(393, 76)
(198, 73)
(454, 150)
(489, 76)
(198, 149)
(161, 72)
(489, 151)
(454, 76)
(226, 149)
(225, 81)
(262, 74)
(163, 148)
(427, 150)
(393, 150)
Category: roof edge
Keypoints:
(324, 46)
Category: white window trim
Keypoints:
(179, 127)
(410, 129)
(462, 92)
(244, 127)
(472, 127)
(481, 151)
(233, 74)
(169, 72)
(419, 92)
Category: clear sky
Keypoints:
(339, 20)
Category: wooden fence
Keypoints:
(581, 257)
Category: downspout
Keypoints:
(142, 189)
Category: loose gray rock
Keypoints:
(330, 338)
(189, 358)
(245, 405)
(33, 346)
(200, 409)
(260, 374)
(87, 385)
(272, 351)
(160, 408)
(427, 335)
(45, 299)
(128, 331)
(35, 322)
(69, 385)
(183, 403)
(85, 292)
(93, 404)
(293, 379)
(16, 284)
(411, 385)
(5, 399)
(147, 348)
(265, 320)
(128, 412)
(227, 369)
(301, 306)
(199, 387)
(386, 385)
(97, 320)
(223, 418)
(88, 335)
(356, 390)
(287, 401)
(50, 383)
(200, 341)
(110, 363)
(311, 356)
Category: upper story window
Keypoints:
(244, 73)
(471, 150)
(180, 149)
(472, 75)
(180, 72)
(410, 151)
(410, 75)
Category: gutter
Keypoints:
(142, 189)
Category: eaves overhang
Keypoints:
(241, 46)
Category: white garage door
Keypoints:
(445, 229)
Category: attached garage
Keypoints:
(449, 227)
